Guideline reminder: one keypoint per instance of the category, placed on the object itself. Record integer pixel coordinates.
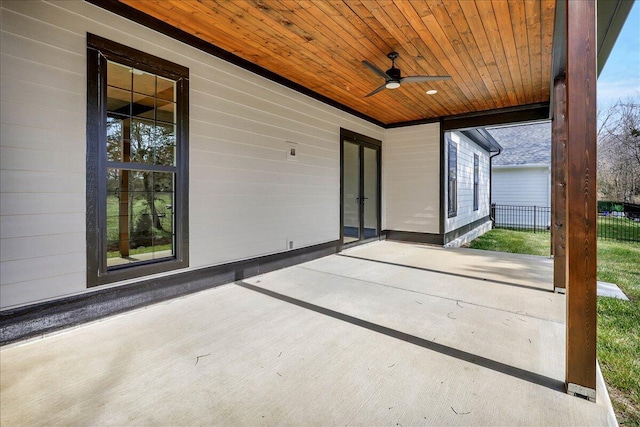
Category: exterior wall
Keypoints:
(470, 236)
(521, 185)
(465, 213)
(246, 198)
(411, 179)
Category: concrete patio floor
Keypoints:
(389, 333)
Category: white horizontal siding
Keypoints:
(411, 166)
(521, 186)
(465, 213)
(246, 199)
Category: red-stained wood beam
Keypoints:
(558, 185)
(581, 198)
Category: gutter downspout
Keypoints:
(492, 212)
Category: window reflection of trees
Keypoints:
(150, 192)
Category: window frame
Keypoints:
(99, 50)
(452, 182)
(476, 181)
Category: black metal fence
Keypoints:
(621, 223)
(526, 218)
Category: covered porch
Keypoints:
(388, 333)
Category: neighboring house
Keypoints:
(521, 174)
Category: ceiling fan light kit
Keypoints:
(393, 76)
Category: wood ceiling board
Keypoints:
(455, 89)
(503, 84)
(497, 52)
(408, 67)
(341, 54)
(378, 57)
(364, 48)
(547, 11)
(490, 79)
(423, 61)
(487, 19)
(505, 30)
(532, 11)
(441, 23)
(463, 77)
(314, 58)
(520, 36)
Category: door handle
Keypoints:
(361, 199)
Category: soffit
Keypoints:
(498, 52)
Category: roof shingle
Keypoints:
(527, 144)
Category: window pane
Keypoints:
(165, 89)
(119, 76)
(165, 145)
(143, 135)
(118, 209)
(115, 141)
(144, 106)
(144, 83)
(141, 224)
(163, 197)
(452, 189)
(118, 101)
(166, 111)
(140, 221)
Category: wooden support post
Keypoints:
(581, 199)
(558, 185)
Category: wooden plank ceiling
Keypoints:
(498, 52)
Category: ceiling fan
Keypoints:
(393, 77)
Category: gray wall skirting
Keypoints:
(454, 234)
(410, 236)
(433, 238)
(37, 319)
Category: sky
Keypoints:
(620, 76)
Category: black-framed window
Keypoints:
(137, 163)
(476, 179)
(452, 188)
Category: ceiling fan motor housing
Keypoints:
(394, 73)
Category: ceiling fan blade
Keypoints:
(376, 91)
(418, 79)
(376, 70)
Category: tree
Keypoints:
(149, 145)
(619, 151)
(138, 190)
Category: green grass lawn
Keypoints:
(138, 206)
(618, 321)
(517, 242)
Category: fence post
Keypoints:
(535, 225)
(492, 215)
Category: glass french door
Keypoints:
(360, 191)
